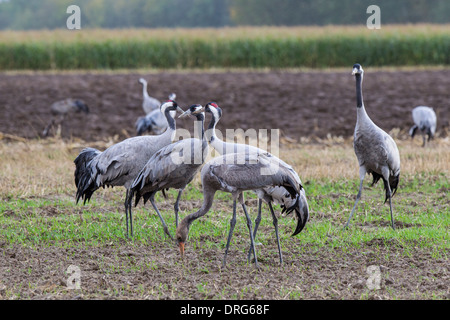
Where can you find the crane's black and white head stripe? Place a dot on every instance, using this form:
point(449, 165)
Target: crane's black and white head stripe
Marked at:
point(357, 69)
point(170, 105)
point(214, 109)
point(195, 109)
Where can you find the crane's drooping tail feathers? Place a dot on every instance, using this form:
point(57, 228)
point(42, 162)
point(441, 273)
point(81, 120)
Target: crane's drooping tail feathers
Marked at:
point(143, 124)
point(294, 190)
point(413, 130)
point(84, 183)
point(393, 183)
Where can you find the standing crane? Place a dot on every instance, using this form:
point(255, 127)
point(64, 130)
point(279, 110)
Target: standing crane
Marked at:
point(269, 194)
point(173, 166)
point(120, 164)
point(235, 173)
point(376, 151)
point(425, 120)
point(60, 109)
point(149, 103)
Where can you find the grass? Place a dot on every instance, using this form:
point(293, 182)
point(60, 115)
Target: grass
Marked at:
point(39, 208)
point(243, 47)
point(38, 212)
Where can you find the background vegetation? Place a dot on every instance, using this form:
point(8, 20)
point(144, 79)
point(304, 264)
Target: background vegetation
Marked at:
point(243, 47)
point(51, 14)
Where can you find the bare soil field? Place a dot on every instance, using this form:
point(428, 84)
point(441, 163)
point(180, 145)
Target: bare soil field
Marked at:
point(300, 104)
point(126, 271)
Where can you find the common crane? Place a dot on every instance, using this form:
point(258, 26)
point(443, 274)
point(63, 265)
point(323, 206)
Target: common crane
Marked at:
point(376, 151)
point(235, 173)
point(173, 166)
point(149, 103)
point(153, 122)
point(120, 164)
point(269, 194)
point(425, 120)
point(60, 109)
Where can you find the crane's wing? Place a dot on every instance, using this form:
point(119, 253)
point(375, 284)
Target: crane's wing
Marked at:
point(174, 164)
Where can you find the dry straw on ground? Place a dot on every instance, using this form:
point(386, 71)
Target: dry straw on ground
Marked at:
point(35, 168)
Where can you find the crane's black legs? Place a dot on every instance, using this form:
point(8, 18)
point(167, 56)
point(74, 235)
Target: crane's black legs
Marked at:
point(166, 230)
point(357, 200)
point(47, 128)
point(249, 225)
point(177, 207)
point(275, 224)
point(232, 224)
point(389, 195)
point(128, 198)
point(257, 222)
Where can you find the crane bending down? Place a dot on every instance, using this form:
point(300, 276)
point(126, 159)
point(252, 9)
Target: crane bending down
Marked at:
point(153, 122)
point(60, 109)
point(120, 164)
point(376, 151)
point(425, 120)
point(235, 173)
point(269, 194)
point(173, 166)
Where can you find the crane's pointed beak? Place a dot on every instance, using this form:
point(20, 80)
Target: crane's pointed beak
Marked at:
point(179, 109)
point(181, 246)
point(185, 114)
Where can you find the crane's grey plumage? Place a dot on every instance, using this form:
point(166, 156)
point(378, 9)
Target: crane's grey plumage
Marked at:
point(120, 164)
point(173, 166)
point(269, 194)
point(154, 122)
point(235, 173)
point(149, 103)
point(60, 109)
point(376, 151)
point(425, 120)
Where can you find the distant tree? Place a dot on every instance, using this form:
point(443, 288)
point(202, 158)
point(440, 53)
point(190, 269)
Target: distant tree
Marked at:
point(39, 14)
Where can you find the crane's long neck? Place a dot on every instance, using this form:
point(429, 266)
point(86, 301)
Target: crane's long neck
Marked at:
point(208, 199)
point(213, 140)
point(359, 96)
point(144, 90)
point(199, 130)
point(362, 117)
point(171, 123)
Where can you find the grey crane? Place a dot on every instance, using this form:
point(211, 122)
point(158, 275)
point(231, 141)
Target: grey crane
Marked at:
point(376, 151)
point(173, 166)
point(60, 109)
point(149, 103)
point(120, 164)
point(425, 120)
point(269, 194)
point(235, 173)
point(153, 122)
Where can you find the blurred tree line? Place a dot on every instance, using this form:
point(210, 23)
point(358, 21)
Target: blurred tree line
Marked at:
point(50, 14)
